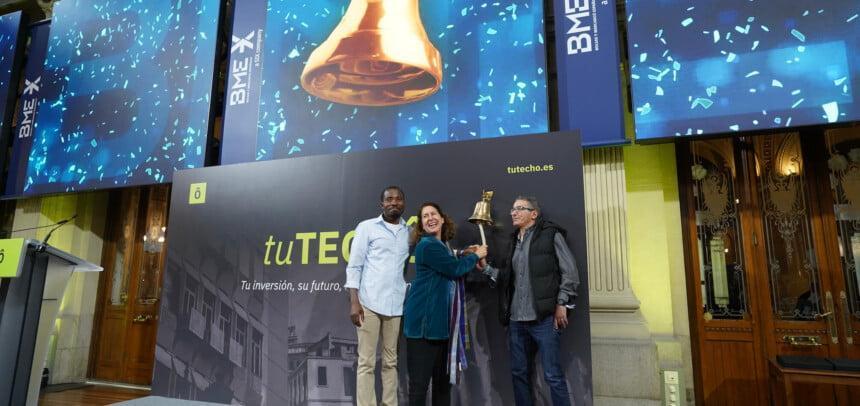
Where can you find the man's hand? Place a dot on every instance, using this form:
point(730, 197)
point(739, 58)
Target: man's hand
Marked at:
point(481, 264)
point(560, 320)
point(356, 313)
point(481, 252)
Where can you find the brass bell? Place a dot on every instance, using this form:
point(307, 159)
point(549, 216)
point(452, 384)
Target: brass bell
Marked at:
point(378, 55)
point(481, 215)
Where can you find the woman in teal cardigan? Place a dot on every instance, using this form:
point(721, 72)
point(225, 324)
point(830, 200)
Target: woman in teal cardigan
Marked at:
point(428, 304)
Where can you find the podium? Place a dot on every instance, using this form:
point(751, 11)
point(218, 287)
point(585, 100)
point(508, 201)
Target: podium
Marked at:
point(33, 278)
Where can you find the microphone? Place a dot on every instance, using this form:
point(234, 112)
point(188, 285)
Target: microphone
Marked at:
point(56, 226)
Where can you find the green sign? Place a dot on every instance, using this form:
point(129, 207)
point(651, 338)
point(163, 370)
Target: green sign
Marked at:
point(197, 193)
point(11, 251)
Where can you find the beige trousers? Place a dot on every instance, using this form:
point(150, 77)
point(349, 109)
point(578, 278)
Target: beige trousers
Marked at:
point(374, 327)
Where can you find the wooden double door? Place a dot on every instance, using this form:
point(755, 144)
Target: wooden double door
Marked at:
point(126, 319)
point(772, 252)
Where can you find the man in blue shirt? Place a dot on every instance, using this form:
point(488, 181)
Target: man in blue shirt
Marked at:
point(374, 280)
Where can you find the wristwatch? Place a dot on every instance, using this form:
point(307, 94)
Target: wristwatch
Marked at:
point(568, 306)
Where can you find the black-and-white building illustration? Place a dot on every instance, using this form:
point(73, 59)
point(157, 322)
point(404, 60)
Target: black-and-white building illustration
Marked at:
point(322, 372)
point(214, 341)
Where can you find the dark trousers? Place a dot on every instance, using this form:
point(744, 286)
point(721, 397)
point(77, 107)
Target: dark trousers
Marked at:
point(425, 361)
point(526, 337)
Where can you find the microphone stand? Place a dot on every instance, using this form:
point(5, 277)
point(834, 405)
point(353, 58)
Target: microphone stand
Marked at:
point(42, 247)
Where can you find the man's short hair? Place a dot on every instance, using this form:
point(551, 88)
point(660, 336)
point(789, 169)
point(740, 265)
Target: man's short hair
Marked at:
point(392, 187)
point(533, 202)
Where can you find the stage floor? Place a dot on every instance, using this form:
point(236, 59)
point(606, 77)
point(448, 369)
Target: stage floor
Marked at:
point(90, 395)
point(101, 395)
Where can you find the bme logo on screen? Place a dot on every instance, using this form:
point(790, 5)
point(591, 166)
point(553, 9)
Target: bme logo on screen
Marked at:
point(241, 69)
point(581, 36)
point(29, 107)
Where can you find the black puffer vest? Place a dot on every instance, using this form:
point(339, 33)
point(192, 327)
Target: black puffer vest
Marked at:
point(543, 270)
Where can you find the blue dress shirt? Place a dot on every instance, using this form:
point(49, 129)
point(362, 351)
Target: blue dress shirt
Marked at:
point(376, 262)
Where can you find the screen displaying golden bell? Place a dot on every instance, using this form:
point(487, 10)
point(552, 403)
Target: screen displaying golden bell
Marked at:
point(378, 55)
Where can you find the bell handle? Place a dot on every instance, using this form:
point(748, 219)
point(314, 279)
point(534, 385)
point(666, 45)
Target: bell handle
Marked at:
point(483, 237)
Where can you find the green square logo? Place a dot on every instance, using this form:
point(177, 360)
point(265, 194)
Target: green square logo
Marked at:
point(10, 257)
point(197, 193)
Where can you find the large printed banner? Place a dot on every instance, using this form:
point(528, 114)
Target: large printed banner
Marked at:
point(125, 94)
point(253, 308)
point(312, 77)
point(589, 72)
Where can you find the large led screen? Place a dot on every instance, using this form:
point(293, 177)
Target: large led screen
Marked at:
point(126, 94)
point(330, 76)
point(710, 67)
point(10, 26)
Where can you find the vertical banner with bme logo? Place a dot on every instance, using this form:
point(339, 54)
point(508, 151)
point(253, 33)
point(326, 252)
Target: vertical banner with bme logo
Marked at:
point(22, 139)
point(11, 47)
point(589, 81)
point(244, 78)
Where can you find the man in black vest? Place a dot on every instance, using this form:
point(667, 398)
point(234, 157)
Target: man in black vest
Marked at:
point(537, 287)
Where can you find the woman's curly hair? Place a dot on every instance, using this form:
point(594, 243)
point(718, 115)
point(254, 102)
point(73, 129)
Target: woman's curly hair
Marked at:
point(448, 226)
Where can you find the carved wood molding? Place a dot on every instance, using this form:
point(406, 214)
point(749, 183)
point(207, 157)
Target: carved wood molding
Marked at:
point(799, 331)
point(729, 329)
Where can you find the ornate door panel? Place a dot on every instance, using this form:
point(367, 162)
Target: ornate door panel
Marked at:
point(843, 170)
point(798, 304)
point(839, 162)
point(151, 250)
point(130, 287)
point(725, 335)
point(113, 305)
point(772, 234)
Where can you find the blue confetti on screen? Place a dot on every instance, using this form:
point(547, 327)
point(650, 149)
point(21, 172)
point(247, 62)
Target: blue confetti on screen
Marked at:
point(494, 81)
point(127, 93)
point(742, 65)
point(9, 25)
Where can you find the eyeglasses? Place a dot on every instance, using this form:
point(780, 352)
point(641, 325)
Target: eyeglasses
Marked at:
point(520, 208)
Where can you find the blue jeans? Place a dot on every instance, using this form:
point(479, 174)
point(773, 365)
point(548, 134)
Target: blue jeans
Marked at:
point(524, 338)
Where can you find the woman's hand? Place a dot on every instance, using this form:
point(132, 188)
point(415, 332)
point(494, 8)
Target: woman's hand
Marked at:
point(469, 250)
point(481, 252)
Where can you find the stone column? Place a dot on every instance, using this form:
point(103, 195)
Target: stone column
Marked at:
point(624, 355)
